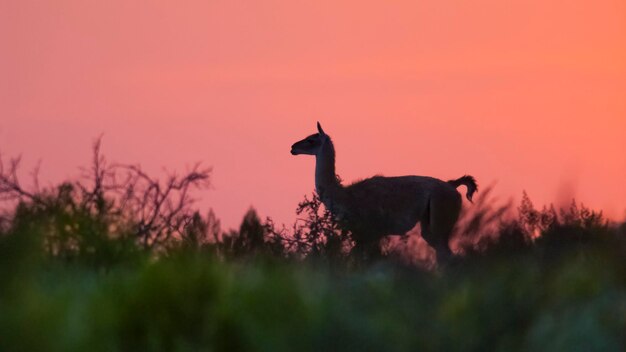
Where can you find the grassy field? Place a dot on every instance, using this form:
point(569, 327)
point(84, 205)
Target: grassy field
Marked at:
point(189, 300)
point(102, 266)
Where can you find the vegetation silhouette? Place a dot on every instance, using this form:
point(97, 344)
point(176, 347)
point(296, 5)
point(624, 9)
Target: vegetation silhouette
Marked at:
point(108, 206)
point(120, 260)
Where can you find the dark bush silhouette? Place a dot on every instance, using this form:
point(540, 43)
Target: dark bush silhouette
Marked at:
point(111, 208)
point(315, 233)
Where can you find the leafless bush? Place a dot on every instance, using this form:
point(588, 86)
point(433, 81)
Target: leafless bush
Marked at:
point(123, 195)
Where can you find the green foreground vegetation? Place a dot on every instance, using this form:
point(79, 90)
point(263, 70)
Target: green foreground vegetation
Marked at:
point(104, 266)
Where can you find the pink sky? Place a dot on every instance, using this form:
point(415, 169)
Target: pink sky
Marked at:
point(523, 93)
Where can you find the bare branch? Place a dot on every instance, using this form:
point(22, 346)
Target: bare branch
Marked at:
point(157, 210)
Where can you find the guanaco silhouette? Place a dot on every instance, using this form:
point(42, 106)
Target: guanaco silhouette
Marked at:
point(379, 206)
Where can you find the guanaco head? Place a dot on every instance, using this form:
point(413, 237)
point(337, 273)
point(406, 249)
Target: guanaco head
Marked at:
point(312, 144)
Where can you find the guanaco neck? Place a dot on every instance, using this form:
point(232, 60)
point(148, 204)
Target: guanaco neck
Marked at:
point(327, 185)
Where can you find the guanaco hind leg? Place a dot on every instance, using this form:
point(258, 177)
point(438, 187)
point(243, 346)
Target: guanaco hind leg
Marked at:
point(438, 223)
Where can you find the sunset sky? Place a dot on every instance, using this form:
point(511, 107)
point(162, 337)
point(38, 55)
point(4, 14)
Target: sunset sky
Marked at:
point(529, 95)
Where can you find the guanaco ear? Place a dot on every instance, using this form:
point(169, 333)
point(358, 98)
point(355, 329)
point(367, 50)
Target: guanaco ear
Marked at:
point(320, 130)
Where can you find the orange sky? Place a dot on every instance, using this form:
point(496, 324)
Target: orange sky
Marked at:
point(527, 94)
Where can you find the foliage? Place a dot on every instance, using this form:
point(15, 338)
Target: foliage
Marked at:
point(121, 261)
point(109, 204)
point(548, 231)
point(193, 301)
point(317, 234)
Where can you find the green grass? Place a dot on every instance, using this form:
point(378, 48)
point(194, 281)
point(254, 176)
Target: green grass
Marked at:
point(103, 266)
point(190, 301)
